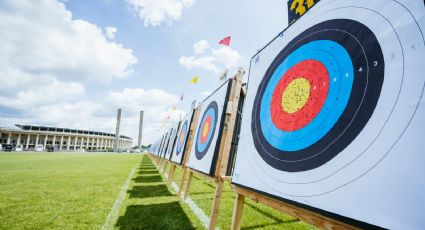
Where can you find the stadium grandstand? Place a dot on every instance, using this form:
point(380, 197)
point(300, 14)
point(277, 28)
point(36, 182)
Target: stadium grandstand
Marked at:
point(62, 139)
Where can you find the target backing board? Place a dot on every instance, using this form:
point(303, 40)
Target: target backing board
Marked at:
point(167, 144)
point(171, 141)
point(334, 117)
point(206, 140)
point(164, 145)
point(181, 139)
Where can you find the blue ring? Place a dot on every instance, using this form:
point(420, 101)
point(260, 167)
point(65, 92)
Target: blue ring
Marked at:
point(180, 147)
point(340, 68)
point(211, 112)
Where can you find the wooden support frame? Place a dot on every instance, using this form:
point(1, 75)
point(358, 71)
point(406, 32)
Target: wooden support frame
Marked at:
point(191, 137)
point(303, 214)
point(224, 150)
point(171, 172)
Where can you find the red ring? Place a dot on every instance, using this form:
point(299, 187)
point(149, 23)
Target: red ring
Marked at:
point(317, 75)
point(207, 121)
point(182, 136)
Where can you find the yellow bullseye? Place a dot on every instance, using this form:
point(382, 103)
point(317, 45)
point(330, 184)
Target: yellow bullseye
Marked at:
point(205, 129)
point(295, 95)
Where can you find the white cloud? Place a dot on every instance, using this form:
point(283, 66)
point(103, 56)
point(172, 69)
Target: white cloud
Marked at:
point(101, 115)
point(227, 56)
point(215, 61)
point(200, 47)
point(46, 58)
point(155, 12)
point(206, 63)
point(53, 92)
point(110, 32)
point(206, 93)
point(40, 37)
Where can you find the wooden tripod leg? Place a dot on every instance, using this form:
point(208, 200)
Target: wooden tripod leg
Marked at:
point(187, 190)
point(171, 173)
point(179, 193)
point(237, 211)
point(216, 205)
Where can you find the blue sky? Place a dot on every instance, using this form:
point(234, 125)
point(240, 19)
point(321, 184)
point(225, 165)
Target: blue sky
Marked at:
point(63, 68)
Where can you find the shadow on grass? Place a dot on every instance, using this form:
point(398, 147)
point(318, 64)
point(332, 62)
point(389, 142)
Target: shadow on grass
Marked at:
point(149, 191)
point(276, 220)
point(148, 179)
point(260, 226)
point(262, 212)
point(148, 171)
point(147, 167)
point(155, 216)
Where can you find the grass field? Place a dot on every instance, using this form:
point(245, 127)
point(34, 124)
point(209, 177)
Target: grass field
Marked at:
point(78, 191)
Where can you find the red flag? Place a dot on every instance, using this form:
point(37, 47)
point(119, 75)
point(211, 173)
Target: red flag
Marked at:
point(225, 41)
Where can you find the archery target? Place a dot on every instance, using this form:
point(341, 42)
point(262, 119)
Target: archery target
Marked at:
point(312, 92)
point(329, 102)
point(206, 128)
point(164, 144)
point(181, 139)
point(170, 143)
point(206, 139)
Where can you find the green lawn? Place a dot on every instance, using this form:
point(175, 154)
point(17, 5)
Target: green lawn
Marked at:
point(78, 190)
point(255, 215)
point(60, 190)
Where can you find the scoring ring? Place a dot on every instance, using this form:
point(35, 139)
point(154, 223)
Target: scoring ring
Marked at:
point(348, 106)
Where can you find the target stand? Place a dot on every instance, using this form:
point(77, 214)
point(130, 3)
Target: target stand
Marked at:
point(223, 154)
point(314, 218)
point(186, 149)
point(333, 118)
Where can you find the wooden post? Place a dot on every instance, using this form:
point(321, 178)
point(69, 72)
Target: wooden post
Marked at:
point(237, 211)
point(179, 193)
point(229, 125)
point(216, 205)
point(308, 216)
point(189, 181)
point(171, 173)
point(164, 166)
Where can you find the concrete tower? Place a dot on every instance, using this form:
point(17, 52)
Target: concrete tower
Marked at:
point(117, 131)
point(139, 141)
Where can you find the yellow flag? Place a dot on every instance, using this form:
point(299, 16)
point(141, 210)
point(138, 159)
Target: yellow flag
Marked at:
point(194, 80)
point(173, 108)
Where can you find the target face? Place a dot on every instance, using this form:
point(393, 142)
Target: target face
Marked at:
point(317, 95)
point(180, 145)
point(209, 127)
point(334, 115)
point(206, 129)
point(182, 138)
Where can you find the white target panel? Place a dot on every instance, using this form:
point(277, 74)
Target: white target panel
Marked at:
point(164, 144)
point(334, 116)
point(179, 149)
point(206, 140)
point(170, 144)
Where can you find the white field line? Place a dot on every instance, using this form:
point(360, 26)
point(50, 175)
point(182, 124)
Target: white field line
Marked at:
point(195, 209)
point(113, 214)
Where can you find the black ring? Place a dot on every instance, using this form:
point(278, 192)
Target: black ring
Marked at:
point(199, 155)
point(363, 48)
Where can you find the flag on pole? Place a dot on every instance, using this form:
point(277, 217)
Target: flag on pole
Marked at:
point(225, 41)
point(194, 80)
point(223, 75)
point(181, 97)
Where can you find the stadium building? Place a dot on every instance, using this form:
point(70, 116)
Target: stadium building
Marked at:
point(61, 138)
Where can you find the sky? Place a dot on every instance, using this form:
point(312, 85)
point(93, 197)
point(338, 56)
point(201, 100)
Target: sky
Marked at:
point(72, 63)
